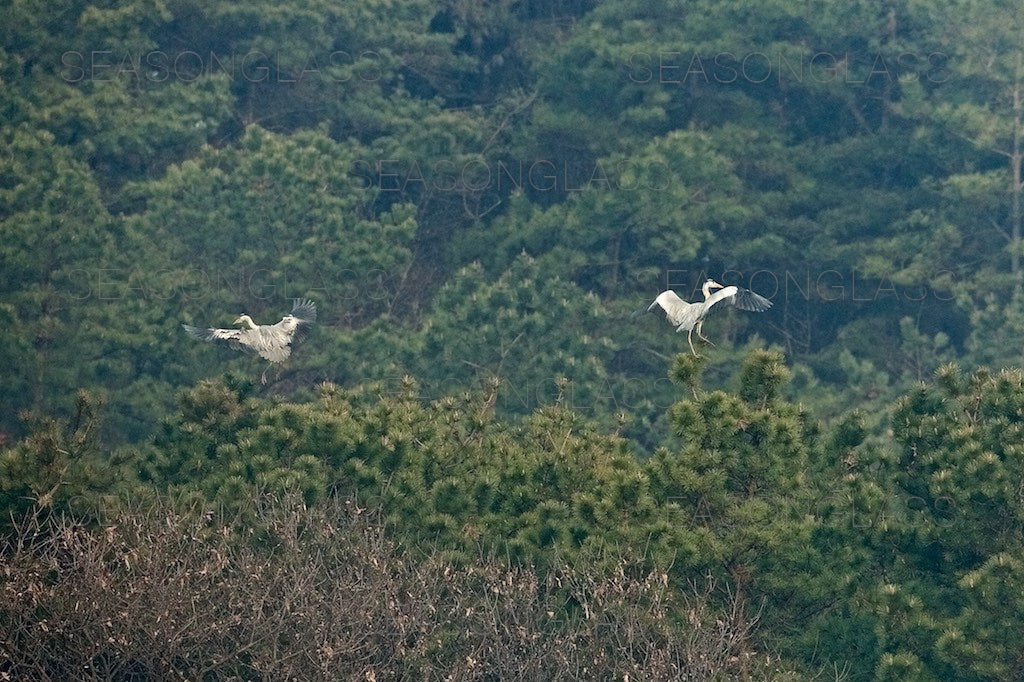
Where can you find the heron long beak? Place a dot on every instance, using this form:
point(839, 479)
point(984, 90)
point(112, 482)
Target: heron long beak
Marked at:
point(641, 311)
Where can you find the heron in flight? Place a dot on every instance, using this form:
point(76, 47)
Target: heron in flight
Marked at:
point(271, 341)
point(690, 316)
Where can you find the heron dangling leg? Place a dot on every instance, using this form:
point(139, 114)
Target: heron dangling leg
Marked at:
point(277, 376)
point(701, 335)
point(689, 337)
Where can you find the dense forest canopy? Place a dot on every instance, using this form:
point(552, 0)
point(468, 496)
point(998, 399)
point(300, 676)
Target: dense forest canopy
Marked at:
point(477, 196)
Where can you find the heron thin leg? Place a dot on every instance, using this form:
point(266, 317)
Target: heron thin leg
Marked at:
point(701, 335)
point(263, 379)
point(689, 337)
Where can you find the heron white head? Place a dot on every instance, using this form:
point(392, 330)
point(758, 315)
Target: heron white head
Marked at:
point(709, 285)
point(245, 319)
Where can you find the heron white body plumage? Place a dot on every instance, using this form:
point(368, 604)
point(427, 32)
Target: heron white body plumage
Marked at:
point(272, 342)
point(687, 317)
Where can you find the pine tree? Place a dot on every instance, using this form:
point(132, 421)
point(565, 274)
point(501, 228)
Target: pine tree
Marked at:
point(946, 540)
point(748, 483)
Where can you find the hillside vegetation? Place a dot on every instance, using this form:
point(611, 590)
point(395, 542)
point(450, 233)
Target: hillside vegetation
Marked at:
point(479, 466)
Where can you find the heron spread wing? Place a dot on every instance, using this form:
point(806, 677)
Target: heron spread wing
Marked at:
point(678, 311)
point(273, 341)
point(304, 310)
point(207, 334)
point(229, 337)
point(744, 299)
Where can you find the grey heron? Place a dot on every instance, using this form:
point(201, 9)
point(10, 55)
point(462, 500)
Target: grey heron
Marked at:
point(690, 316)
point(271, 341)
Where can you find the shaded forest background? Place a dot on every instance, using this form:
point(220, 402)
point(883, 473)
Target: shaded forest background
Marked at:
point(477, 195)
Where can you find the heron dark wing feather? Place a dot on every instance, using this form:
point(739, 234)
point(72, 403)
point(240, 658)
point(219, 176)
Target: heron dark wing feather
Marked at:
point(302, 330)
point(745, 299)
point(207, 334)
point(304, 309)
point(232, 338)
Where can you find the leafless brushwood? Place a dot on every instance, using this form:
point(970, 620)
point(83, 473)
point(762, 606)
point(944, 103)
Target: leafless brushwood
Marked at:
point(322, 594)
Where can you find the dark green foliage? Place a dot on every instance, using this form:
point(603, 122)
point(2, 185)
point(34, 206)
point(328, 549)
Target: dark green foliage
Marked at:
point(686, 370)
point(939, 519)
point(763, 377)
point(742, 481)
point(469, 479)
point(477, 196)
point(406, 146)
point(62, 466)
